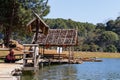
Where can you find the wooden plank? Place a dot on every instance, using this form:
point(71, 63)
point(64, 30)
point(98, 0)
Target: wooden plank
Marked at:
point(28, 58)
point(30, 44)
point(27, 51)
point(55, 56)
point(6, 69)
point(4, 49)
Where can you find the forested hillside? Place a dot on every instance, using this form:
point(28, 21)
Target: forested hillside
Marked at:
point(15, 14)
point(99, 37)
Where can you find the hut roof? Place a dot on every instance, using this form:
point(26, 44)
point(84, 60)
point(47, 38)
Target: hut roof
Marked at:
point(42, 25)
point(58, 37)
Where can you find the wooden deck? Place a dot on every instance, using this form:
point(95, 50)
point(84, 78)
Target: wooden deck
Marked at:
point(55, 56)
point(6, 71)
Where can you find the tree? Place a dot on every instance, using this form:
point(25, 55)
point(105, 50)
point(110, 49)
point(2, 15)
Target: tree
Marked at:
point(14, 14)
point(113, 25)
point(110, 48)
point(110, 25)
point(8, 17)
point(85, 47)
point(94, 47)
point(100, 26)
point(107, 38)
point(38, 6)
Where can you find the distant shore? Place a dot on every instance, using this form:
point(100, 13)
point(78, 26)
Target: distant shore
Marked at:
point(96, 54)
point(77, 54)
point(80, 54)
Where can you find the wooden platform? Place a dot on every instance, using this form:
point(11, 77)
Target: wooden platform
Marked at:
point(4, 49)
point(6, 69)
point(55, 56)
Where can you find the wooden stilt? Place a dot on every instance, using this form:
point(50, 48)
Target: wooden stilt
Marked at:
point(34, 64)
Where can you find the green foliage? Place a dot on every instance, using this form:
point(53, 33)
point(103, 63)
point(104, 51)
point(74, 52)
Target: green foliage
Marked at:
point(8, 12)
point(109, 36)
point(14, 15)
point(38, 6)
point(100, 26)
point(110, 48)
point(85, 47)
point(91, 37)
point(110, 25)
point(94, 47)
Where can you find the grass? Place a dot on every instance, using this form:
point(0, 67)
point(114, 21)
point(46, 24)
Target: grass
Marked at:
point(77, 54)
point(96, 54)
point(3, 53)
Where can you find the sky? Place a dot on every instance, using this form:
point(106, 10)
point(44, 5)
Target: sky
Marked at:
point(92, 11)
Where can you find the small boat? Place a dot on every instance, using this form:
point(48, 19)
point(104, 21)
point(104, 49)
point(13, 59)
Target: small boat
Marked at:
point(98, 60)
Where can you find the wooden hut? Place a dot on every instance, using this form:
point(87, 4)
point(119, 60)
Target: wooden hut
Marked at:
point(37, 25)
point(59, 38)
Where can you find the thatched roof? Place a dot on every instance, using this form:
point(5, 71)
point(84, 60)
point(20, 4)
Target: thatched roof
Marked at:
point(42, 25)
point(58, 37)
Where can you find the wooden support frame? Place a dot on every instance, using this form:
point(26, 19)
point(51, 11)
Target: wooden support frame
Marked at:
point(33, 58)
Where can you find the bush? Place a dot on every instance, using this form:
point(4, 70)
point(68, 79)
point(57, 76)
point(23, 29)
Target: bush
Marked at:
point(110, 48)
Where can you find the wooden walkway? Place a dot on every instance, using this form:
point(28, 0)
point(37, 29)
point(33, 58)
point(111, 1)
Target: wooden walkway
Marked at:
point(7, 69)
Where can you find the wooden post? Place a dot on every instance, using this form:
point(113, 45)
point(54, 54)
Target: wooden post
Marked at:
point(72, 53)
point(43, 51)
point(37, 29)
point(34, 56)
point(69, 54)
point(59, 54)
point(24, 56)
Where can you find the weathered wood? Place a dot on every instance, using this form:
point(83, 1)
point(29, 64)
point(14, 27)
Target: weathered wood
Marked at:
point(27, 51)
point(27, 45)
point(37, 61)
point(58, 37)
point(6, 71)
point(42, 25)
point(55, 56)
point(26, 64)
point(28, 58)
point(4, 49)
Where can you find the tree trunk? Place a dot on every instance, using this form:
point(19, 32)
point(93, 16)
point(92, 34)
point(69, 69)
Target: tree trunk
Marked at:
point(8, 29)
point(7, 34)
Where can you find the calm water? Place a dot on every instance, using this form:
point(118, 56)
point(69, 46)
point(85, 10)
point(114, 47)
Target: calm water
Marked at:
point(109, 69)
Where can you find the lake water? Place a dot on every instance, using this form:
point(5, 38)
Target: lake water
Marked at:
point(109, 69)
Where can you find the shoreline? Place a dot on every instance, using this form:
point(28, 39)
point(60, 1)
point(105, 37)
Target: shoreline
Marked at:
point(96, 54)
point(75, 53)
point(7, 68)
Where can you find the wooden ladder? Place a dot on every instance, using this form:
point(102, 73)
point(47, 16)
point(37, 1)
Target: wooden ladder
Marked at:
point(34, 60)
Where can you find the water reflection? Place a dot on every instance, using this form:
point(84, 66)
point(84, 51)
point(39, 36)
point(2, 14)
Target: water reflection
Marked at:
point(106, 70)
point(62, 72)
